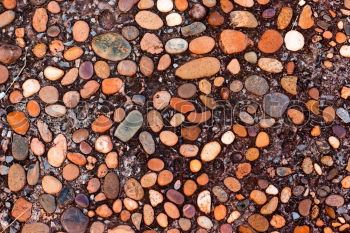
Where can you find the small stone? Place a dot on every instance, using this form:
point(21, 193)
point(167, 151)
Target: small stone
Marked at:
point(270, 41)
point(294, 40)
point(86, 70)
point(149, 20)
point(335, 200)
point(56, 110)
point(111, 86)
point(215, 19)
point(18, 122)
point(220, 194)
point(289, 84)
point(305, 19)
point(205, 222)
point(40, 20)
point(232, 41)
point(73, 220)
point(193, 29)
point(234, 66)
point(328, 114)
point(9, 4)
point(197, 12)
point(130, 32)
point(296, 116)
point(256, 85)
point(9, 53)
point(146, 66)
point(6, 18)
point(243, 19)
point(275, 104)
point(127, 68)
point(345, 51)
point(258, 222)
point(133, 189)
point(165, 5)
point(22, 210)
point(81, 31)
point(176, 46)
point(210, 151)
point(258, 197)
point(147, 142)
point(181, 5)
point(51, 185)
point(30, 87)
point(35, 227)
point(145, 4)
point(125, 5)
point(4, 75)
point(232, 184)
point(53, 73)
point(111, 46)
point(19, 147)
point(202, 45)
point(262, 140)
point(65, 197)
point(49, 94)
point(270, 65)
point(97, 227)
point(111, 186)
point(284, 18)
point(270, 207)
point(151, 44)
point(198, 68)
point(228, 137)
point(343, 115)
point(204, 201)
point(107, 19)
point(175, 196)
point(16, 178)
point(128, 128)
point(119, 115)
point(89, 88)
point(103, 144)
point(33, 174)
point(173, 19)
point(245, 3)
point(165, 177)
point(304, 207)
point(187, 90)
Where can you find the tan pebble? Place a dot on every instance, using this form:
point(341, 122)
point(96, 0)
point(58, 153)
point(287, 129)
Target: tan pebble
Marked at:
point(262, 140)
point(102, 69)
point(155, 198)
point(104, 211)
point(53, 7)
point(9, 4)
point(81, 31)
point(164, 62)
point(258, 197)
point(286, 194)
point(148, 20)
point(232, 41)
point(162, 220)
point(284, 18)
point(148, 180)
point(188, 150)
point(220, 212)
point(130, 204)
point(117, 206)
point(234, 66)
point(155, 164)
point(51, 185)
point(111, 160)
point(195, 165)
point(70, 172)
point(203, 179)
point(103, 144)
point(270, 207)
point(22, 210)
point(73, 53)
point(168, 138)
point(171, 210)
point(40, 20)
point(165, 177)
point(148, 214)
point(70, 77)
point(334, 142)
point(296, 116)
point(243, 169)
point(53, 73)
point(204, 201)
point(305, 19)
point(202, 45)
point(328, 114)
point(210, 151)
point(252, 154)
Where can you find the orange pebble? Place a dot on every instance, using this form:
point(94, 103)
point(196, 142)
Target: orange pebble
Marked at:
point(240, 130)
point(181, 5)
point(190, 187)
point(53, 7)
point(18, 122)
point(220, 212)
point(15, 97)
point(340, 37)
point(327, 34)
point(263, 2)
point(19, 32)
point(33, 108)
point(56, 46)
point(165, 177)
point(9, 4)
point(203, 179)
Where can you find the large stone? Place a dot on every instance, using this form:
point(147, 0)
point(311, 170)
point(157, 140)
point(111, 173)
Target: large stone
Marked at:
point(111, 46)
point(133, 189)
point(232, 41)
point(275, 104)
point(6, 18)
point(19, 147)
point(37, 227)
point(9, 53)
point(128, 128)
point(22, 210)
point(74, 221)
point(16, 178)
point(199, 68)
point(111, 186)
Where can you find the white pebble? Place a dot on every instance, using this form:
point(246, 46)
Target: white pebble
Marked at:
point(272, 190)
point(294, 40)
point(165, 5)
point(173, 19)
point(335, 143)
point(228, 137)
point(345, 51)
point(30, 87)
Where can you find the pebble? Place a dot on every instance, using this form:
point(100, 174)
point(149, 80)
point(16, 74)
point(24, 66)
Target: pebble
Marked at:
point(245, 3)
point(51, 185)
point(22, 210)
point(9, 4)
point(335, 200)
point(345, 51)
point(204, 201)
point(343, 115)
point(284, 18)
point(304, 207)
point(111, 46)
point(198, 68)
point(149, 20)
point(171, 210)
point(57, 153)
point(258, 222)
point(97, 227)
point(220, 194)
point(270, 41)
point(70, 77)
point(73, 220)
point(151, 44)
point(9, 53)
point(296, 116)
point(243, 19)
point(328, 114)
point(155, 121)
point(35, 227)
point(173, 19)
point(53, 73)
point(215, 19)
point(232, 41)
point(103, 144)
point(305, 19)
point(197, 12)
point(19, 147)
point(40, 20)
point(33, 174)
point(49, 94)
point(81, 31)
point(56, 110)
point(65, 197)
point(258, 197)
point(125, 5)
point(86, 70)
point(193, 29)
point(16, 178)
point(176, 46)
point(228, 137)
point(145, 4)
point(202, 45)
point(275, 104)
point(187, 90)
point(130, 32)
point(4, 75)
point(270, 65)
point(133, 189)
point(147, 142)
point(111, 186)
point(47, 201)
point(289, 84)
point(6, 18)
point(146, 66)
point(294, 40)
point(205, 222)
point(210, 151)
point(18, 122)
point(256, 85)
point(234, 66)
point(165, 5)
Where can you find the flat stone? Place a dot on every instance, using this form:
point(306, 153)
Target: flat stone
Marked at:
point(47, 201)
point(220, 193)
point(130, 32)
point(49, 94)
point(343, 115)
point(258, 222)
point(81, 31)
point(256, 85)
point(65, 197)
point(176, 46)
point(53, 73)
point(16, 178)
point(146, 66)
point(128, 128)
point(107, 19)
point(74, 221)
point(270, 41)
point(40, 19)
point(335, 200)
point(193, 29)
point(30, 87)
point(37, 227)
point(275, 104)
point(305, 19)
point(199, 68)
point(243, 19)
point(148, 20)
point(126, 5)
point(205, 222)
point(19, 147)
point(111, 46)
point(270, 65)
point(22, 210)
point(147, 142)
point(33, 173)
point(304, 207)
point(173, 19)
point(289, 84)
point(86, 70)
point(187, 90)
point(111, 186)
point(151, 43)
point(165, 5)
point(175, 196)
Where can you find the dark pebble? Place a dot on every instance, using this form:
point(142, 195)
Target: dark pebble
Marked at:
point(47, 201)
point(37, 2)
point(198, 11)
point(269, 13)
point(347, 29)
point(130, 32)
point(74, 221)
point(65, 197)
point(188, 211)
point(19, 147)
point(338, 130)
point(86, 70)
point(332, 173)
point(111, 186)
point(53, 31)
point(82, 200)
point(175, 196)
point(242, 205)
point(187, 90)
point(106, 19)
point(298, 190)
point(85, 148)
